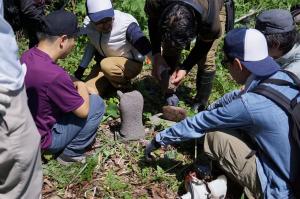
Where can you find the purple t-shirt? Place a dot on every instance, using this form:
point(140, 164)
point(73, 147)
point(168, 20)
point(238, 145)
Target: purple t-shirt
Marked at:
point(50, 91)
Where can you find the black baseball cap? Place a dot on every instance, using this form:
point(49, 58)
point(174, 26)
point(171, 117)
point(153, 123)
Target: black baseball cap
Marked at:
point(275, 21)
point(60, 22)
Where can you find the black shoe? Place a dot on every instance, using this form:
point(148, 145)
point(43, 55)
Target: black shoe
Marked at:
point(79, 72)
point(198, 107)
point(67, 160)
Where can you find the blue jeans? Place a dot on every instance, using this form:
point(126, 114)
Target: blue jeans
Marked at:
point(71, 134)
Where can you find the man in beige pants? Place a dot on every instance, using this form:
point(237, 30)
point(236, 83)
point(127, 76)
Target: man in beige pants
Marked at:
point(119, 44)
point(20, 161)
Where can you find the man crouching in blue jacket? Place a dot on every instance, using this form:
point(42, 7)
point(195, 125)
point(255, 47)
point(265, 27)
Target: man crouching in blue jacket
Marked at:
point(264, 175)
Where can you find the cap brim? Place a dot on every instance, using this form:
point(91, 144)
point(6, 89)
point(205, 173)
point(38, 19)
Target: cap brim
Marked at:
point(76, 33)
point(263, 67)
point(98, 16)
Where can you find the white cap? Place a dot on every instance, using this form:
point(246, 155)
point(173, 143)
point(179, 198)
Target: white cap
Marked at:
point(250, 47)
point(99, 9)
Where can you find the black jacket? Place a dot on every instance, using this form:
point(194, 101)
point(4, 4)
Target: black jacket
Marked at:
point(207, 13)
point(24, 13)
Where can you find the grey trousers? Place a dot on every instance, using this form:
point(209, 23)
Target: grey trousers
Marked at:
point(20, 159)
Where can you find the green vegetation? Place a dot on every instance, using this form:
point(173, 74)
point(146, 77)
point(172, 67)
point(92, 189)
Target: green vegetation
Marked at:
point(118, 170)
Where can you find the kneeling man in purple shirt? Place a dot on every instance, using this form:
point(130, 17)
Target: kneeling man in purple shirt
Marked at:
point(66, 112)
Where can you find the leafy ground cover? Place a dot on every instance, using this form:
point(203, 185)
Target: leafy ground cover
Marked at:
point(118, 170)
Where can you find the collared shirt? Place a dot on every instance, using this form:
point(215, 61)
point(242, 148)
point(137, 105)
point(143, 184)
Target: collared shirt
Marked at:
point(50, 90)
point(262, 120)
point(291, 60)
point(12, 73)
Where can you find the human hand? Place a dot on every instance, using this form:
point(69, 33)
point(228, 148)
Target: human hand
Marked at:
point(4, 103)
point(159, 65)
point(178, 76)
point(152, 146)
point(77, 83)
point(92, 90)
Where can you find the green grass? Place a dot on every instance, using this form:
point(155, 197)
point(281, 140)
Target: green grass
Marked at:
point(118, 170)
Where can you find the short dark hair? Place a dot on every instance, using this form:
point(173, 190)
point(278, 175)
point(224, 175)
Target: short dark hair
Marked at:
point(178, 25)
point(286, 40)
point(295, 10)
point(43, 36)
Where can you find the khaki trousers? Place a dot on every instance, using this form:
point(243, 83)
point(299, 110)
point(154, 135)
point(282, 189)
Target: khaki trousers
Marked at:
point(232, 155)
point(117, 71)
point(20, 158)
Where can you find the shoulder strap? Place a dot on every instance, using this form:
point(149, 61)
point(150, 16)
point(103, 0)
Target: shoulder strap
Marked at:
point(293, 77)
point(230, 15)
point(294, 115)
point(295, 84)
point(196, 5)
point(274, 96)
point(281, 82)
point(211, 14)
point(287, 105)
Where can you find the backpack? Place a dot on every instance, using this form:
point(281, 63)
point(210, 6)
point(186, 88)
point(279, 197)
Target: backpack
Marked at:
point(12, 13)
point(291, 108)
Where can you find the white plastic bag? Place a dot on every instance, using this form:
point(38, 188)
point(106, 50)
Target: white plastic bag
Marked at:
point(199, 189)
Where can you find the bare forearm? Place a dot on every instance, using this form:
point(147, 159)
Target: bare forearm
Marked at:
point(83, 91)
point(83, 110)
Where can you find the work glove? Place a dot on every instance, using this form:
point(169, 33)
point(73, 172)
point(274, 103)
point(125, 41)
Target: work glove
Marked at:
point(173, 113)
point(172, 100)
point(152, 146)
